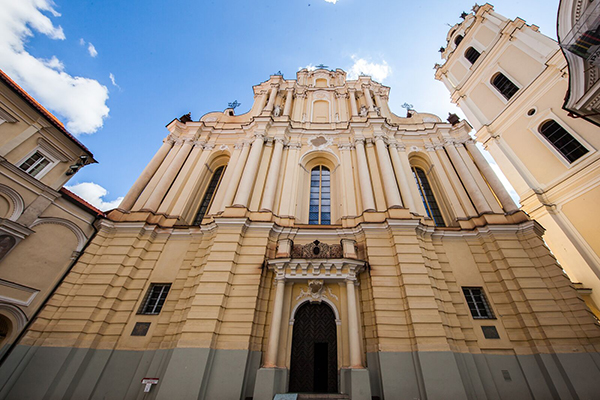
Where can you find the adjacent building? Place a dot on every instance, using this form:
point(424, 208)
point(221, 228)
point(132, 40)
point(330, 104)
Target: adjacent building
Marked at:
point(510, 80)
point(317, 243)
point(43, 227)
point(579, 37)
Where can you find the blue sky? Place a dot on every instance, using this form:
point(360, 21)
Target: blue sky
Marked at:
point(116, 72)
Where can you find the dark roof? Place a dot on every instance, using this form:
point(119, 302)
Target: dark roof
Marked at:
point(59, 125)
point(73, 198)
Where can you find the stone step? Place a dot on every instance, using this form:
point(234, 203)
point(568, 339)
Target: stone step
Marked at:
point(323, 396)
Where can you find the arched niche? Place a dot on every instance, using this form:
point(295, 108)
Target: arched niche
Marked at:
point(11, 203)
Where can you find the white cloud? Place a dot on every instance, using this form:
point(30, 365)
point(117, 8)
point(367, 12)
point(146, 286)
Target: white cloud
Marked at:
point(82, 42)
point(309, 67)
point(113, 81)
point(93, 194)
point(81, 101)
point(331, 1)
point(362, 67)
point(92, 50)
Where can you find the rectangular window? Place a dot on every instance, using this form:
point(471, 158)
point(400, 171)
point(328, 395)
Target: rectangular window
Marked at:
point(155, 298)
point(34, 164)
point(478, 304)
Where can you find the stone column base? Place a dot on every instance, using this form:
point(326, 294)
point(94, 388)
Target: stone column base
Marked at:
point(269, 382)
point(356, 383)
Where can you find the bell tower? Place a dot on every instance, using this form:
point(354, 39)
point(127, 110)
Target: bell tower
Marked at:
point(510, 80)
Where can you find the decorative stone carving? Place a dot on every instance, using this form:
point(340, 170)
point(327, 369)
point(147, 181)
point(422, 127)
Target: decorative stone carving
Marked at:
point(320, 142)
point(317, 249)
point(345, 146)
point(276, 111)
point(316, 291)
point(363, 111)
point(377, 110)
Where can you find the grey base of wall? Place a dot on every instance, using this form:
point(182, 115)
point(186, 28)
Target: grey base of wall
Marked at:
point(208, 374)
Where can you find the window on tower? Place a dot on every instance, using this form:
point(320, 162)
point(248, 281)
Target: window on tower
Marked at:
point(504, 85)
point(458, 39)
point(562, 140)
point(209, 195)
point(472, 55)
point(319, 211)
point(433, 211)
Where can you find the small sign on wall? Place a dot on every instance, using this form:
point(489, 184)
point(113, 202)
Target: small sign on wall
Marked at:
point(149, 382)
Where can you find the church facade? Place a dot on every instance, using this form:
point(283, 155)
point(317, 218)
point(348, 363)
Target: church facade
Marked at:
point(317, 243)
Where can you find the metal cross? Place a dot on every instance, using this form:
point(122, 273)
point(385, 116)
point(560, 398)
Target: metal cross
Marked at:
point(234, 105)
point(321, 66)
point(407, 106)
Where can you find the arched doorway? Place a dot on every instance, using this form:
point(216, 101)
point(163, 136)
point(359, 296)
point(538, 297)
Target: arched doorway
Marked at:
point(314, 350)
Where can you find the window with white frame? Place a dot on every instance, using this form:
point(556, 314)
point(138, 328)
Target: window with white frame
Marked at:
point(319, 212)
point(504, 85)
point(35, 163)
point(472, 55)
point(562, 140)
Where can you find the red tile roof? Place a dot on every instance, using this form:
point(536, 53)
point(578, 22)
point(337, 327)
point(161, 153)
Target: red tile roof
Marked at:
point(81, 202)
point(42, 110)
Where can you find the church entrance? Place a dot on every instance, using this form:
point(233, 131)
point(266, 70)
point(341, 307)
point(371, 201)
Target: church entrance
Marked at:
point(314, 350)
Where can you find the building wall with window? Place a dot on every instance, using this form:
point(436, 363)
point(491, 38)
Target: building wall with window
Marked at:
point(317, 243)
point(43, 227)
point(578, 28)
point(513, 95)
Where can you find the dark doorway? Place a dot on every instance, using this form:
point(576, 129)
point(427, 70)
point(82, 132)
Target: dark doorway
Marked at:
point(313, 366)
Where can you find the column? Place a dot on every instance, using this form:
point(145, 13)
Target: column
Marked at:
point(289, 98)
point(368, 98)
point(262, 99)
point(249, 175)
point(447, 176)
point(182, 183)
point(392, 195)
point(466, 177)
point(366, 189)
point(272, 97)
point(353, 107)
point(146, 175)
point(402, 178)
point(237, 174)
point(414, 189)
point(288, 192)
point(349, 200)
point(353, 337)
point(272, 175)
point(271, 354)
point(507, 202)
point(167, 179)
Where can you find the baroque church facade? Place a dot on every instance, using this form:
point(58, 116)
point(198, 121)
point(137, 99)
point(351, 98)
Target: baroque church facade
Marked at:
point(318, 243)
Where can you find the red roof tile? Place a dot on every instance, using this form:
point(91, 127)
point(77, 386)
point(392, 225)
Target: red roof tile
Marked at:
point(82, 202)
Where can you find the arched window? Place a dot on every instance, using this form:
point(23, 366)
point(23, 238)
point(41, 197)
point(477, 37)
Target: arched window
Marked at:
point(458, 39)
point(562, 140)
point(472, 55)
point(209, 195)
point(319, 212)
point(433, 211)
point(504, 85)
